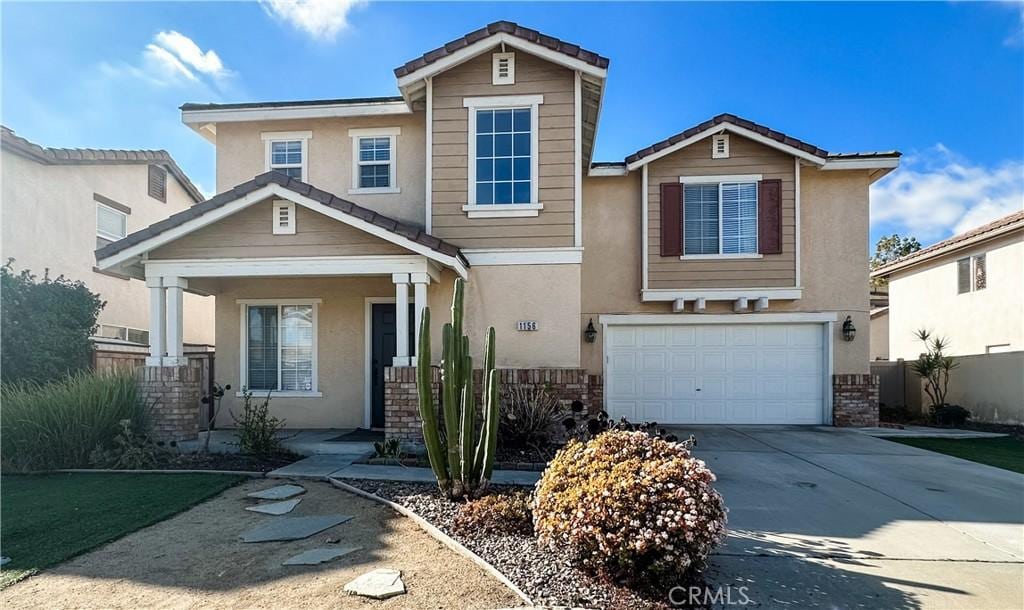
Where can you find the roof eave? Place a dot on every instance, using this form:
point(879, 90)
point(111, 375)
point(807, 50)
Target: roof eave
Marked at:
point(952, 248)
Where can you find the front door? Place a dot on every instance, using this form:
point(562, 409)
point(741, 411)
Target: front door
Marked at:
point(382, 351)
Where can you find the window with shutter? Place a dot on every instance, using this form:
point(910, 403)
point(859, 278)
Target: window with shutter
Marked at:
point(158, 183)
point(980, 280)
point(963, 275)
point(720, 218)
point(971, 274)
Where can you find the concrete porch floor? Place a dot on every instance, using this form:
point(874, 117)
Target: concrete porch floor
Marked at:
point(303, 442)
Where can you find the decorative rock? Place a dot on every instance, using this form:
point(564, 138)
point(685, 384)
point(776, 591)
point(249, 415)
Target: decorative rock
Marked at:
point(281, 492)
point(378, 584)
point(293, 528)
point(316, 556)
point(275, 508)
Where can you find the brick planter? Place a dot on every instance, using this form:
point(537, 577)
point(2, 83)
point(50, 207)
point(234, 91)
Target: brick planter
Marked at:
point(174, 393)
point(855, 400)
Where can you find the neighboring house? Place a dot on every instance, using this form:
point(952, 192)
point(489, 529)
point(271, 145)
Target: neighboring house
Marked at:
point(968, 289)
point(705, 279)
point(60, 204)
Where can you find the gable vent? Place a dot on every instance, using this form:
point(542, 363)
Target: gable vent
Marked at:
point(504, 66)
point(284, 218)
point(720, 146)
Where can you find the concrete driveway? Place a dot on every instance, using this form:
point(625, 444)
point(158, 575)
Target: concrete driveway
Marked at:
point(832, 518)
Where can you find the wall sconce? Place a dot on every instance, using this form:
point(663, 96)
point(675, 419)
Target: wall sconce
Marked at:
point(849, 330)
point(590, 334)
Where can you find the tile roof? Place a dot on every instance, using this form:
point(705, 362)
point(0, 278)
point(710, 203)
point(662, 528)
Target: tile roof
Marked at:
point(96, 156)
point(507, 27)
point(1006, 223)
point(760, 129)
point(407, 231)
point(353, 101)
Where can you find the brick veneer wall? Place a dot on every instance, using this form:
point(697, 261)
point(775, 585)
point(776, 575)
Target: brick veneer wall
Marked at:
point(855, 400)
point(401, 402)
point(174, 393)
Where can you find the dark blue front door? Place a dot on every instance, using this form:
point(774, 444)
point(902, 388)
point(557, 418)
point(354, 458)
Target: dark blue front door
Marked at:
point(382, 351)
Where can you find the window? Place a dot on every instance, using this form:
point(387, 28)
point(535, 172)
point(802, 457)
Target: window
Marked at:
point(111, 224)
point(970, 274)
point(373, 160)
point(158, 183)
point(279, 347)
point(124, 333)
point(997, 349)
point(720, 218)
point(286, 152)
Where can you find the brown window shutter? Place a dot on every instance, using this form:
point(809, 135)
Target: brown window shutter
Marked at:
point(671, 219)
point(158, 183)
point(769, 216)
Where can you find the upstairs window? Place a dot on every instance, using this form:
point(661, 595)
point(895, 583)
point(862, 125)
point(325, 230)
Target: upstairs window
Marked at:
point(111, 224)
point(720, 218)
point(971, 274)
point(287, 152)
point(374, 160)
point(504, 156)
point(158, 183)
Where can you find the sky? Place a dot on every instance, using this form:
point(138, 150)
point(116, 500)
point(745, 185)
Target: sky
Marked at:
point(941, 82)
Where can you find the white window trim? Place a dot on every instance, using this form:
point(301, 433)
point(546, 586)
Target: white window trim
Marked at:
point(243, 352)
point(110, 236)
point(269, 137)
point(720, 180)
point(705, 257)
point(392, 134)
point(504, 102)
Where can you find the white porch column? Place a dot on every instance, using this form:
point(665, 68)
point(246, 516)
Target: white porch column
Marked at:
point(420, 281)
point(175, 304)
point(157, 321)
point(401, 281)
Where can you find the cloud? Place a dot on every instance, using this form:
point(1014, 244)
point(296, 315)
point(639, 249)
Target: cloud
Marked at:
point(189, 52)
point(938, 193)
point(321, 19)
point(173, 60)
point(1016, 39)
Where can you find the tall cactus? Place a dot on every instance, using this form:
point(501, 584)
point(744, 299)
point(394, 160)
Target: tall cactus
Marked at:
point(460, 470)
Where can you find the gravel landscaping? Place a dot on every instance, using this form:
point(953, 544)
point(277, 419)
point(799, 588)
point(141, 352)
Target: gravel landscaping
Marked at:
point(542, 574)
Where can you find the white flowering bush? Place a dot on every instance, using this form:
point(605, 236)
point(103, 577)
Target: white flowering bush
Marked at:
point(630, 507)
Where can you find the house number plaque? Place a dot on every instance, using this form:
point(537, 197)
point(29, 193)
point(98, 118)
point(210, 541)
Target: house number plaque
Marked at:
point(526, 325)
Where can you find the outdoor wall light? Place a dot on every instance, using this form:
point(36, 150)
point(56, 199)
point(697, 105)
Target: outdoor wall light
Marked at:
point(590, 335)
point(849, 330)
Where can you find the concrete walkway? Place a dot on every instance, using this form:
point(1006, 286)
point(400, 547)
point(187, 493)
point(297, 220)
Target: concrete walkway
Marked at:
point(303, 442)
point(927, 432)
point(425, 475)
point(827, 517)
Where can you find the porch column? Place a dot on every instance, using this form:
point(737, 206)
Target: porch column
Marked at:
point(175, 287)
point(420, 281)
point(401, 281)
point(157, 321)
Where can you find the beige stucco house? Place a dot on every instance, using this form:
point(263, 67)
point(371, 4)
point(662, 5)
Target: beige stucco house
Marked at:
point(60, 204)
point(704, 279)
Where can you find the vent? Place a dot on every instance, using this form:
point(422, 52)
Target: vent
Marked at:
point(720, 146)
point(284, 218)
point(158, 183)
point(504, 65)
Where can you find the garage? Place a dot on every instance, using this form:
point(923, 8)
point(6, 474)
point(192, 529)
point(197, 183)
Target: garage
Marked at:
point(727, 373)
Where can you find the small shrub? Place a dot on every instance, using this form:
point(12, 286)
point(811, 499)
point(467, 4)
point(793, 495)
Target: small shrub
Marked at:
point(389, 448)
point(59, 424)
point(600, 424)
point(497, 513)
point(528, 417)
point(934, 367)
point(257, 428)
point(630, 507)
point(131, 451)
point(949, 415)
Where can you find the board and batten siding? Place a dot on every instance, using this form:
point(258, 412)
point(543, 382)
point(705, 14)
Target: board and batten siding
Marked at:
point(248, 234)
point(553, 227)
point(745, 157)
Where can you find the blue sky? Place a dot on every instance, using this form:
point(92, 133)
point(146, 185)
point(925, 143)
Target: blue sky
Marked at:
point(942, 82)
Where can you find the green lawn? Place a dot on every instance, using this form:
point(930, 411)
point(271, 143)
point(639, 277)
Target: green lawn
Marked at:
point(46, 519)
point(1004, 452)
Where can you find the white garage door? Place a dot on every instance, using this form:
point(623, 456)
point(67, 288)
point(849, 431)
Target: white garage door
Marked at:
point(716, 374)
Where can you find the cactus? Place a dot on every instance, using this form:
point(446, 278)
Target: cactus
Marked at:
point(461, 470)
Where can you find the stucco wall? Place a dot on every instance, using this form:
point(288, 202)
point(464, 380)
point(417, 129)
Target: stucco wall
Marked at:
point(49, 222)
point(926, 297)
point(880, 336)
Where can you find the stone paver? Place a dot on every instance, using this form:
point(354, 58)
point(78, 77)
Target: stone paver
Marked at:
point(275, 508)
point(281, 492)
point(292, 528)
point(313, 557)
point(378, 584)
point(314, 467)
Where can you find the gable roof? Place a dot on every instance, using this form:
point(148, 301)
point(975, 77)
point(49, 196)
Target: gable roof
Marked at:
point(1000, 226)
point(399, 232)
point(498, 27)
point(96, 156)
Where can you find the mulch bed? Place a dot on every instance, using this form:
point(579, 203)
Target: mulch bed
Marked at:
point(543, 574)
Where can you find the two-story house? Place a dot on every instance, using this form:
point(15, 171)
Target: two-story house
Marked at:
point(60, 204)
point(706, 278)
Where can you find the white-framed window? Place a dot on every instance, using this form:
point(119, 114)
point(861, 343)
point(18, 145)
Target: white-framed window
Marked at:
point(503, 156)
point(374, 160)
point(279, 346)
point(720, 216)
point(123, 333)
point(111, 224)
point(971, 275)
point(287, 152)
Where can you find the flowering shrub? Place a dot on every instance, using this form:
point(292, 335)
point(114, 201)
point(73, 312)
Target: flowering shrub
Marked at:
point(498, 513)
point(630, 506)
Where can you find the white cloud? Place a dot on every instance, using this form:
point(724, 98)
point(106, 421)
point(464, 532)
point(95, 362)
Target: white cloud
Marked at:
point(321, 19)
point(164, 66)
point(937, 193)
point(173, 60)
point(189, 52)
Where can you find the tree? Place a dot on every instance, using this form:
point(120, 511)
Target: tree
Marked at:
point(891, 248)
point(934, 366)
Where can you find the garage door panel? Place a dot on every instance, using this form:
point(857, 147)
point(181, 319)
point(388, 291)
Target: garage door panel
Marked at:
point(622, 385)
point(712, 387)
point(621, 337)
point(654, 386)
point(711, 336)
point(653, 336)
point(653, 410)
point(684, 362)
point(804, 336)
point(773, 336)
point(682, 336)
point(742, 411)
point(622, 408)
point(742, 336)
point(710, 412)
point(683, 386)
point(773, 361)
point(713, 362)
point(654, 361)
point(744, 361)
point(743, 387)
